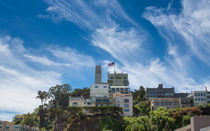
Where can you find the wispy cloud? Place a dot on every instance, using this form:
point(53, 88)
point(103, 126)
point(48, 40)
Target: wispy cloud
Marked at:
point(89, 14)
point(129, 45)
point(122, 44)
point(21, 79)
point(191, 27)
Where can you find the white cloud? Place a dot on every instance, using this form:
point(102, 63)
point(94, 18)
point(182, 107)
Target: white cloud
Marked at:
point(130, 46)
point(20, 79)
point(90, 14)
point(122, 44)
point(192, 25)
point(72, 57)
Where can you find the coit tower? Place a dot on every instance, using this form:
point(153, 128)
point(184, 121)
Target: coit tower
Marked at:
point(98, 74)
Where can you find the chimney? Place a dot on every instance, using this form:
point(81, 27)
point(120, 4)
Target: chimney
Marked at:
point(160, 86)
point(98, 74)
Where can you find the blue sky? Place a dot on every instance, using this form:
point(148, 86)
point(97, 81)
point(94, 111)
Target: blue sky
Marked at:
point(49, 42)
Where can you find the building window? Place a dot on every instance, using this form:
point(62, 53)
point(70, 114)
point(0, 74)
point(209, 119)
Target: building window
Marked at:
point(7, 127)
point(126, 105)
point(118, 99)
point(74, 103)
point(126, 100)
point(118, 105)
point(105, 86)
point(96, 86)
point(126, 110)
point(96, 104)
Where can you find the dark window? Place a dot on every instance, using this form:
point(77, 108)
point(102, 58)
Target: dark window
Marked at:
point(126, 100)
point(96, 86)
point(126, 105)
point(126, 110)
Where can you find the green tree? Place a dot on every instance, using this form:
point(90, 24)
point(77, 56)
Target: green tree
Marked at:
point(137, 124)
point(205, 109)
point(110, 123)
point(139, 95)
point(60, 94)
point(85, 93)
point(162, 120)
point(30, 120)
point(43, 96)
point(142, 108)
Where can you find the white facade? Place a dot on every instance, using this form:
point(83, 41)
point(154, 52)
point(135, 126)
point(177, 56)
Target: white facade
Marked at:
point(200, 97)
point(99, 90)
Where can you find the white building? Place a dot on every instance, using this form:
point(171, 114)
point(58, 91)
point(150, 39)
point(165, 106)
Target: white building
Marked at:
point(99, 90)
point(200, 97)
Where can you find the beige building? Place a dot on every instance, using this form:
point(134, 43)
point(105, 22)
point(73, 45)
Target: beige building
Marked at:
point(197, 123)
point(80, 102)
point(171, 102)
point(165, 102)
point(125, 101)
point(6, 126)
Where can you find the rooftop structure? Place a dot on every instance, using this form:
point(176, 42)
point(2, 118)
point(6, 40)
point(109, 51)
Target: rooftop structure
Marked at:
point(160, 92)
point(118, 79)
point(197, 123)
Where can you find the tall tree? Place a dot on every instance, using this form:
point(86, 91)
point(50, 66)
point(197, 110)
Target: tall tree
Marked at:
point(139, 95)
point(59, 94)
point(43, 96)
point(85, 93)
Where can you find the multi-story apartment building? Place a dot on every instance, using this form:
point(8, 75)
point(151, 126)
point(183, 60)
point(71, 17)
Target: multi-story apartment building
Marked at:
point(171, 102)
point(125, 101)
point(121, 89)
point(99, 90)
point(118, 79)
point(160, 92)
point(186, 102)
point(165, 102)
point(199, 97)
